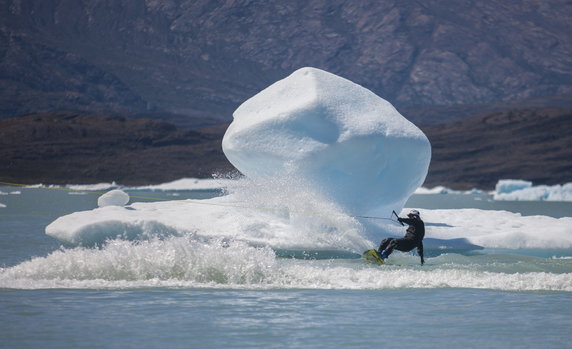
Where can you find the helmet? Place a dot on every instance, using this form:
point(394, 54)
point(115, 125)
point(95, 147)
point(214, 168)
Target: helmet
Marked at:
point(414, 213)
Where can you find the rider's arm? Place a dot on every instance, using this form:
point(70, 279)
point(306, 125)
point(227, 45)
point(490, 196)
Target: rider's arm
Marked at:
point(406, 220)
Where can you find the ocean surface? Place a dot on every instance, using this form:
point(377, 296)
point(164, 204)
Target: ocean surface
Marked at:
point(179, 292)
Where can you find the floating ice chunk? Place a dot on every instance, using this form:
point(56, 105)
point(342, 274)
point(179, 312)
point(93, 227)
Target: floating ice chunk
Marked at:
point(95, 187)
point(435, 190)
point(2, 205)
point(115, 197)
point(499, 229)
point(17, 192)
point(188, 184)
point(444, 190)
point(219, 217)
point(538, 193)
point(505, 186)
point(333, 136)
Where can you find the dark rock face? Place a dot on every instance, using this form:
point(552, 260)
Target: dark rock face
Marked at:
point(203, 58)
point(70, 148)
point(531, 144)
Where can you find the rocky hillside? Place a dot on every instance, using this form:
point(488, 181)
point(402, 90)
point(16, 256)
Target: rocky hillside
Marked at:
point(532, 144)
point(203, 58)
point(70, 148)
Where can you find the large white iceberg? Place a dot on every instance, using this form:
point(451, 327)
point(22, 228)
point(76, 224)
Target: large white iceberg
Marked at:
point(332, 136)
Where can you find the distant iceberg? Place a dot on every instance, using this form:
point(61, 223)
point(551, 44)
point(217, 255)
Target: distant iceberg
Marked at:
point(187, 184)
point(92, 187)
point(507, 186)
point(444, 190)
point(519, 190)
point(435, 190)
point(183, 184)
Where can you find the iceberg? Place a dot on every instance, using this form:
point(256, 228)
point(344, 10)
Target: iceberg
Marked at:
point(189, 184)
point(444, 190)
point(332, 136)
point(316, 150)
point(500, 229)
point(116, 197)
point(506, 186)
point(519, 190)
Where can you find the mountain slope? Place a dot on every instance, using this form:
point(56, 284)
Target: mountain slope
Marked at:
point(203, 58)
point(532, 144)
point(70, 148)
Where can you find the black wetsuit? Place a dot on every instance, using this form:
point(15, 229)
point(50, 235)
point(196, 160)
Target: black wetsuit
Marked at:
point(413, 238)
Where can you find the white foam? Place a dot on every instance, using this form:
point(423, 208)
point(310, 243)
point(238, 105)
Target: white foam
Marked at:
point(196, 263)
point(2, 205)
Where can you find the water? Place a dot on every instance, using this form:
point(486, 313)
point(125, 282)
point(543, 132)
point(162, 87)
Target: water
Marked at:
point(188, 318)
point(182, 292)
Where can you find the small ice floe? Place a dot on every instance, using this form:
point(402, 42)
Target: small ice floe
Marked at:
point(116, 197)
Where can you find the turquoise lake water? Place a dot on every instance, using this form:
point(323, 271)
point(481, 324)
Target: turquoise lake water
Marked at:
point(159, 294)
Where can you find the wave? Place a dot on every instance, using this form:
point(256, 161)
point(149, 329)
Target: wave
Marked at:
point(219, 263)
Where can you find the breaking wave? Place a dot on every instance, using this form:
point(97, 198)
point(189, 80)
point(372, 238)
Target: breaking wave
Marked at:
point(193, 263)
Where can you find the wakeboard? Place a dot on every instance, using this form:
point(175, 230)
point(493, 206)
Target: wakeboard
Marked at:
point(372, 257)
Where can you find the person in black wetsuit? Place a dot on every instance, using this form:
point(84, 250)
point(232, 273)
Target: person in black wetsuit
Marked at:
point(413, 237)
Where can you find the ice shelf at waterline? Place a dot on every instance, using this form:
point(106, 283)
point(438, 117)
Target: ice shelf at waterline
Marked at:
point(223, 218)
point(333, 137)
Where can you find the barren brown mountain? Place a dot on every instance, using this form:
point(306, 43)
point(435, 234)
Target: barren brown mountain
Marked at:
point(204, 58)
point(532, 144)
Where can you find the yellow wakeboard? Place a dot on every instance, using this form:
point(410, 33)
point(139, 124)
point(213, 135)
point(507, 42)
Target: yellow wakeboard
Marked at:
point(372, 257)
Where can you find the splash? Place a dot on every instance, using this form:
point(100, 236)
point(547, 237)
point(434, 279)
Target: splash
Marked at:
point(275, 213)
point(189, 262)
